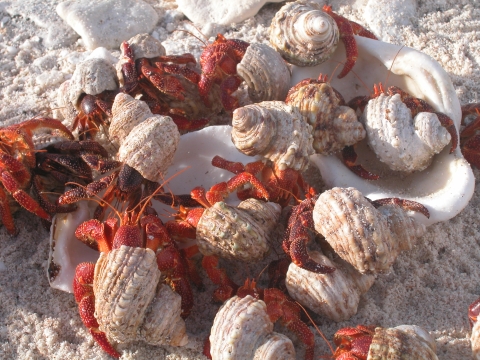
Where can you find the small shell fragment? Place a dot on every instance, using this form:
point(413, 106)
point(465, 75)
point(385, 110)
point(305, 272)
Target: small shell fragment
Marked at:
point(242, 330)
point(274, 130)
point(335, 295)
point(265, 72)
point(242, 233)
point(403, 143)
point(303, 33)
point(475, 340)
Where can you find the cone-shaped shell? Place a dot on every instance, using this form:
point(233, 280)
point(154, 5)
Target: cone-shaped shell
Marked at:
point(335, 295)
point(403, 143)
point(150, 146)
point(398, 344)
point(92, 76)
point(303, 33)
point(265, 72)
point(242, 233)
point(360, 234)
point(127, 302)
point(334, 125)
point(242, 326)
point(274, 130)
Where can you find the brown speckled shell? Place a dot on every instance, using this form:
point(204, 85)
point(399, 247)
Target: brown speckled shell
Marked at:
point(400, 141)
point(398, 344)
point(129, 305)
point(334, 295)
point(242, 233)
point(334, 125)
point(243, 330)
point(303, 33)
point(274, 130)
point(150, 146)
point(368, 238)
point(265, 72)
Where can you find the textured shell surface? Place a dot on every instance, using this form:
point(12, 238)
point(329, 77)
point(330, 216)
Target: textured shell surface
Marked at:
point(335, 295)
point(275, 131)
point(403, 143)
point(66, 110)
point(303, 33)
point(397, 344)
point(92, 76)
point(334, 125)
point(265, 72)
point(242, 326)
point(365, 237)
point(242, 233)
point(475, 340)
point(150, 147)
point(126, 299)
point(127, 113)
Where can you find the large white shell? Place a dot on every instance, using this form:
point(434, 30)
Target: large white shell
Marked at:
point(275, 131)
point(335, 295)
point(303, 33)
point(242, 327)
point(446, 186)
point(400, 141)
point(265, 72)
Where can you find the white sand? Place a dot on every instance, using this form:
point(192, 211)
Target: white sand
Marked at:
point(430, 286)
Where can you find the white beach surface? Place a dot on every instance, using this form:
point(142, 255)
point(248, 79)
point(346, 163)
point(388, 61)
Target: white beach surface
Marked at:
point(430, 286)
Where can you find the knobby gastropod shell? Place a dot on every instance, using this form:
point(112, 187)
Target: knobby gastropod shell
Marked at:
point(366, 237)
point(334, 124)
point(400, 141)
point(130, 302)
point(242, 329)
point(265, 72)
point(335, 295)
point(243, 232)
point(275, 131)
point(303, 33)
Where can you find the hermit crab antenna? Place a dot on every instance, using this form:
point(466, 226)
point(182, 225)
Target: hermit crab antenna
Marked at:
point(391, 65)
point(316, 328)
point(191, 34)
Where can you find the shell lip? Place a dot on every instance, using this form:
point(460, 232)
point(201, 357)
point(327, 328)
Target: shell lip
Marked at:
point(446, 186)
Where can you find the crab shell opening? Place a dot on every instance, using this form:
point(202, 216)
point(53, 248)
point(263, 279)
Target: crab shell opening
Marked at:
point(191, 167)
point(446, 185)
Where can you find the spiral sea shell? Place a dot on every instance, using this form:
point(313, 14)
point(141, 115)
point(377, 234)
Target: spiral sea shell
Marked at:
point(265, 72)
point(334, 125)
point(303, 33)
point(403, 143)
point(402, 342)
point(130, 304)
point(243, 232)
point(367, 238)
point(335, 295)
point(242, 330)
point(274, 130)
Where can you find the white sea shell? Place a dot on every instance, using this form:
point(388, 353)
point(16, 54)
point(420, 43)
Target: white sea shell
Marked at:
point(475, 340)
point(128, 304)
point(275, 131)
point(242, 328)
point(366, 237)
point(335, 295)
point(265, 72)
point(303, 33)
point(400, 141)
point(446, 186)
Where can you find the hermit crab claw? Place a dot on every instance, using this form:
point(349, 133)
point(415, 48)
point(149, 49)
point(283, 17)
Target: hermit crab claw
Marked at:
point(447, 184)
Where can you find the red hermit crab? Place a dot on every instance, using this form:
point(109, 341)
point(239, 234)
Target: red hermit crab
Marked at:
point(306, 34)
point(469, 139)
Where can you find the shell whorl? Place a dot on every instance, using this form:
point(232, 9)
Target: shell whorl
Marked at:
point(334, 125)
point(265, 72)
point(368, 238)
point(242, 330)
point(274, 130)
point(242, 233)
point(403, 143)
point(304, 34)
